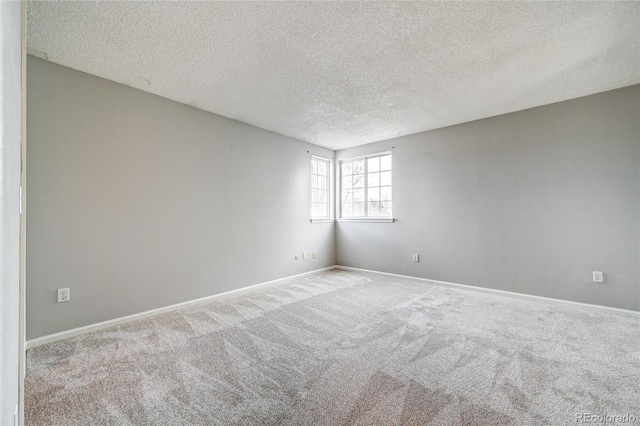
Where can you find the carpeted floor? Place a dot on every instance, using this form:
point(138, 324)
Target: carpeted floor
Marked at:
point(345, 348)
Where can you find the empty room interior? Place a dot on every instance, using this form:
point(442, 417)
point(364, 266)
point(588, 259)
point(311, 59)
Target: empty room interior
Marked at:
point(331, 213)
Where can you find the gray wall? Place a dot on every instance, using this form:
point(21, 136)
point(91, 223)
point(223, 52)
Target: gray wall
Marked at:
point(10, 132)
point(138, 202)
point(530, 202)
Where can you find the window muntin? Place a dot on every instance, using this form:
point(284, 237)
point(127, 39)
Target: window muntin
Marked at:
point(365, 187)
point(320, 176)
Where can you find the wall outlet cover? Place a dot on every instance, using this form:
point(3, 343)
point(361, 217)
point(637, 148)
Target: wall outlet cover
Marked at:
point(598, 277)
point(64, 295)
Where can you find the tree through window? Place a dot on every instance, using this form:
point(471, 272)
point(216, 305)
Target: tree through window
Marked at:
point(365, 187)
point(320, 169)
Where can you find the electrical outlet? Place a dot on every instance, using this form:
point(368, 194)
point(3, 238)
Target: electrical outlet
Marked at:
point(598, 277)
point(416, 258)
point(304, 254)
point(314, 255)
point(64, 295)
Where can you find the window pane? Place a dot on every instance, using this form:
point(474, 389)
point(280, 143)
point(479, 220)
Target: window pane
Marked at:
point(385, 179)
point(373, 164)
point(347, 182)
point(347, 209)
point(373, 194)
point(322, 182)
point(347, 168)
point(385, 209)
point(374, 209)
point(374, 179)
point(322, 168)
point(347, 197)
point(358, 166)
point(358, 181)
point(358, 209)
point(358, 195)
point(385, 193)
point(385, 162)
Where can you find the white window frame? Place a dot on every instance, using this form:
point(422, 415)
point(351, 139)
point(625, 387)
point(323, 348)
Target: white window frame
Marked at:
point(366, 217)
point(330, 192)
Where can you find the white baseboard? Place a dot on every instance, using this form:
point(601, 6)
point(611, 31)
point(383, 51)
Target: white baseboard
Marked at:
point(599, 308)
point(105, 324)
point(110, 323)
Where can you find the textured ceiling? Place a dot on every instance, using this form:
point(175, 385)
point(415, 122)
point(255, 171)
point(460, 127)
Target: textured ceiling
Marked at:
point(340, 74)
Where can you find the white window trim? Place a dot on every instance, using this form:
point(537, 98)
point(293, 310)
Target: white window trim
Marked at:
point(315, 220)
point(330, 193)
point(367, 219)
point(338, 192)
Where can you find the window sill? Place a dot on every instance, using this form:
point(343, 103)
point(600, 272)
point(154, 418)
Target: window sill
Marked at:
point(312, 220)
point(368, 219)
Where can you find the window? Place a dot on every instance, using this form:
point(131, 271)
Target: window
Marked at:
point(320, 172)
point(365, 187)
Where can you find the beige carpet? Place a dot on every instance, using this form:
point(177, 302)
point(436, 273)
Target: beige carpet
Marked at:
point(345, 348)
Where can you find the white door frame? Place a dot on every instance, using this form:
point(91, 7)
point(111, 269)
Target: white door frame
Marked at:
point(23, 220)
